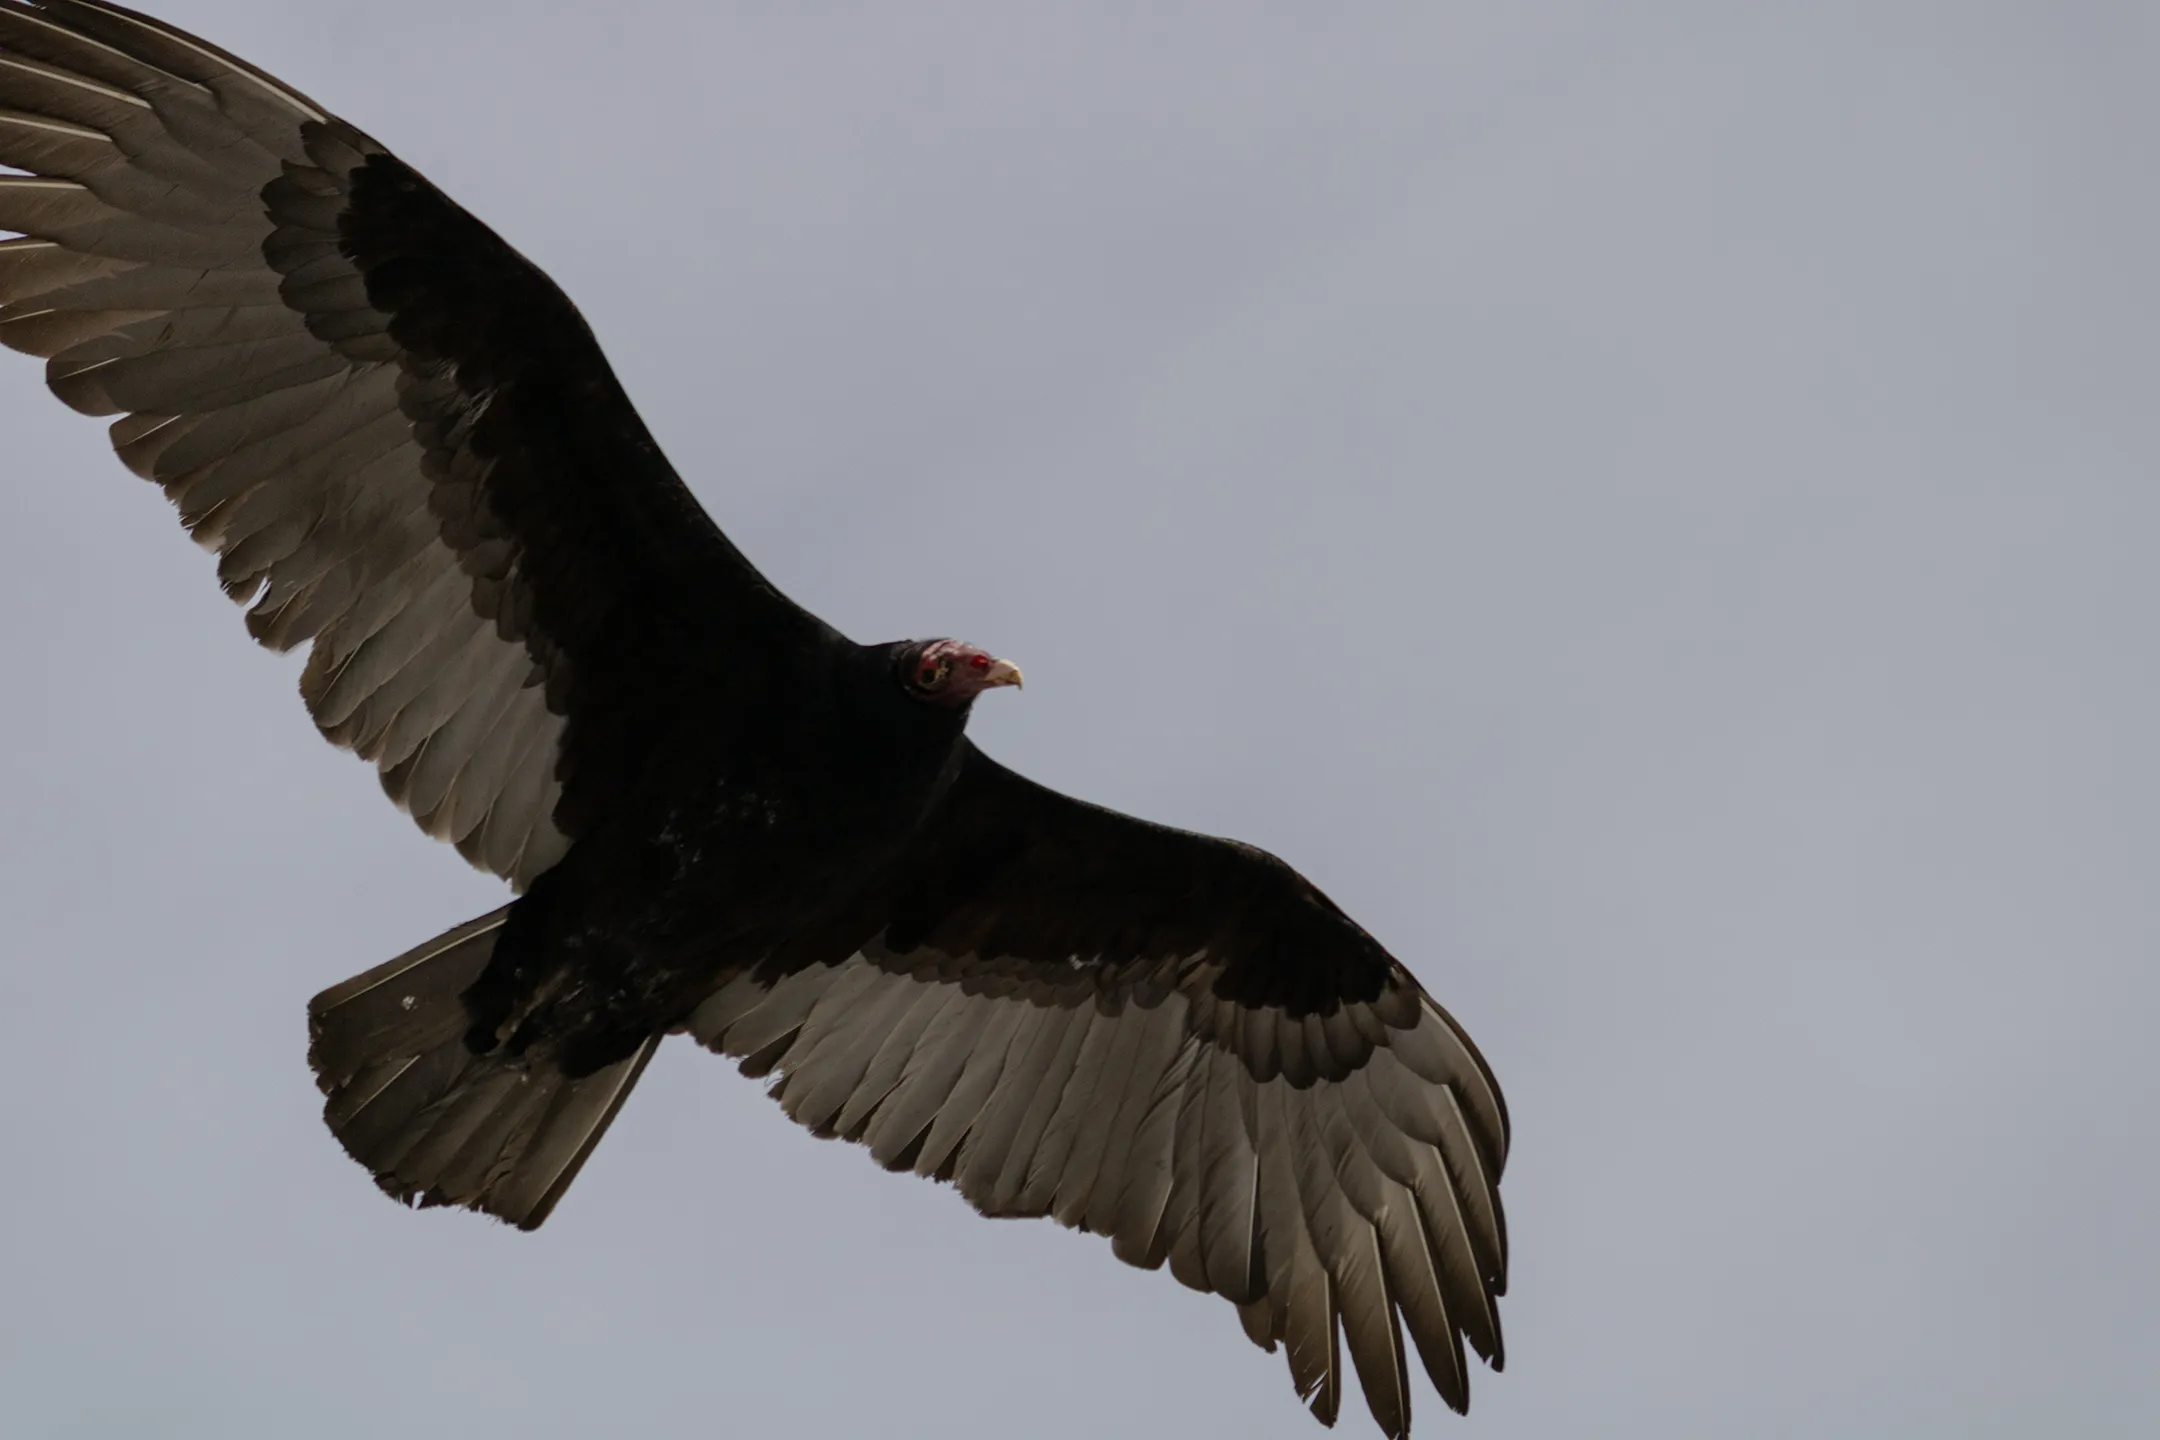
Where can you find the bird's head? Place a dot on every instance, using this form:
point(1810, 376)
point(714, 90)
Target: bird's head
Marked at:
point(949, 672)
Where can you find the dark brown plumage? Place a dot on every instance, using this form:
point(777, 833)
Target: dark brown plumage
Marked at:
point(723, 817)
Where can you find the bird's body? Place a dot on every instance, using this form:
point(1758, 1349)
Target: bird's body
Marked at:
point(739, 846)
point(722, 817)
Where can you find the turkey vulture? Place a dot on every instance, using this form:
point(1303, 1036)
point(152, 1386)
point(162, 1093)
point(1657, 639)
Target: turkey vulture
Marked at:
point(718, 814)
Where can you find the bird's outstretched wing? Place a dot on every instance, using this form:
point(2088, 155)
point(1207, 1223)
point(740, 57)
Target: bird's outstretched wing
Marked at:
point(1174, 1041)
point(399, 437)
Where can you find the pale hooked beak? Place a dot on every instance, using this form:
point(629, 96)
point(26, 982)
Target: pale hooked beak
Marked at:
point(1002, 672)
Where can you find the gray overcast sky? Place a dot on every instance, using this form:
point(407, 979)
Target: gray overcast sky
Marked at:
point(1651, 506)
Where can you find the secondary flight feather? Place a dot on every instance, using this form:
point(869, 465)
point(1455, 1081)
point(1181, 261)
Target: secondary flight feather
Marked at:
point(720, 816)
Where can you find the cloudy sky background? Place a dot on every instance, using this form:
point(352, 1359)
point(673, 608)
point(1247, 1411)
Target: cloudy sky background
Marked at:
point(1651, 506)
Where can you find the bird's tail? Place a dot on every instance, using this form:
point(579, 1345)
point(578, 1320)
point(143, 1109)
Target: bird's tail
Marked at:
point(435, 1123)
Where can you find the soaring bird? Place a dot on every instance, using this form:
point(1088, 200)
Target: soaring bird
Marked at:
point(717, 814)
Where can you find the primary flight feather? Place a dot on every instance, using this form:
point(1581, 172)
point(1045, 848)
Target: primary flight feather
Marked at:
point(722, 816)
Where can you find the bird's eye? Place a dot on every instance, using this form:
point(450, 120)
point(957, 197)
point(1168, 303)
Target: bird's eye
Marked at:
point(927, 676)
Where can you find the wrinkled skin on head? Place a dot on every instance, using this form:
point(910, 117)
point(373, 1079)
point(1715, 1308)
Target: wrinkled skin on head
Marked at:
point(950, 673)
